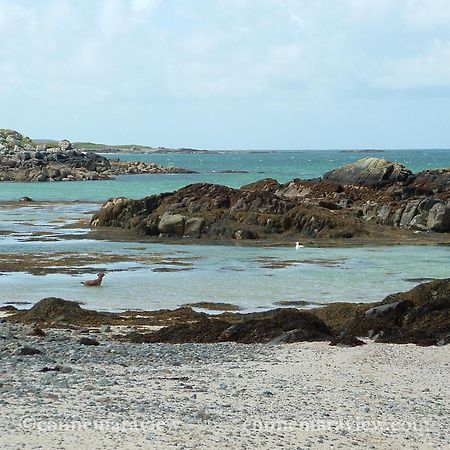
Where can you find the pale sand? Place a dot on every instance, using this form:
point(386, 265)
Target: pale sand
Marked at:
point(306, 395)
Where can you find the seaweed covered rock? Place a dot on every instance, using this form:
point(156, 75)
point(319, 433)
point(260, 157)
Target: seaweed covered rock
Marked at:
point(357, 200)
point(421, 316)
point(282, 325)
point(211, 210)
point(56, 311)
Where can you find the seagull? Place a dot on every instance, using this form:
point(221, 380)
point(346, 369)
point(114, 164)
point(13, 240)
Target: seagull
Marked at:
point(298, 245)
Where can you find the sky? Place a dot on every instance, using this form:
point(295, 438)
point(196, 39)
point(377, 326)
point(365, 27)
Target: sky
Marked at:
point(228, 74)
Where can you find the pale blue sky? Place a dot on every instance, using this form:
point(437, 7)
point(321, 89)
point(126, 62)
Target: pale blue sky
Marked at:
point(256, 74)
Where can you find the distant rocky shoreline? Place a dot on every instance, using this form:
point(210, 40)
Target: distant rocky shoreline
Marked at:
point(366, 199)
point(21, 160)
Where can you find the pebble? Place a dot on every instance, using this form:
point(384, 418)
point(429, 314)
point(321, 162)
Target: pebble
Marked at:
point(224, 408)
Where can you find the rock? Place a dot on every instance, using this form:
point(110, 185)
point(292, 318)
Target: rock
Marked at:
point(194, 226)
point(409, 213)
point(421, 316)
point(439, 218)
point(379, 194)
point(88, 341)
point(368, 172)
point(36, 331)
point(65, 145)
point(138, 167)
point(379, 311)
point(54, 310)
point(172, 224)
point(282, 325)
point(21, 160)
point(329, 205)
point(222, 212)
point(9, 336)
point(25, 199)
point(346, 340)
point(245, 234)
point(26, 351)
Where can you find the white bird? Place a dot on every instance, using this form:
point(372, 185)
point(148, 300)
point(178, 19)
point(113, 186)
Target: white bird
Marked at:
point(298, 245)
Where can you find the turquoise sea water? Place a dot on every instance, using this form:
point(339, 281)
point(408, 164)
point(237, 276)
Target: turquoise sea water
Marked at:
point(251, 277)
point(283, 166)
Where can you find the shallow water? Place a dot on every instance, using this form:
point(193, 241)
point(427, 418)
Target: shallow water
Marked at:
point(283, 166)
point(250, 277)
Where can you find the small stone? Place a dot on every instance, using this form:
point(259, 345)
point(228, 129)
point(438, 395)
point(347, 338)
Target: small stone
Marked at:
point(88, 341)
point(36, 331)
point(29, 351)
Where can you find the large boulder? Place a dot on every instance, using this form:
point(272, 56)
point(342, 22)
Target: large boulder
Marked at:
point(439, 218)
point(375, 172)
point(172, 224)
point(194, 226)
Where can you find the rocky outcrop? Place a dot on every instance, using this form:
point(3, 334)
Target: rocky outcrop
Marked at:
point(22, 160)
point(283, 325)
point(208, 210)
point(54, 311)
point(119, 167)
point(311, 208)
point(420, 316)
point(373, 172)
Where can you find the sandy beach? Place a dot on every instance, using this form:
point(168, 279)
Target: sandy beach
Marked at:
point(197, 396)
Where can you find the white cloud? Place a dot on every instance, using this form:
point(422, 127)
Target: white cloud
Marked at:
point(430, 69)
point(427, 14)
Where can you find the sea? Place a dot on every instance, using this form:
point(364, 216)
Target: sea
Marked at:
point(45, 234)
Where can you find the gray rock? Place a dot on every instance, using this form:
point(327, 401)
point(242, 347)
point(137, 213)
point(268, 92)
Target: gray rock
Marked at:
point(408, 213)
point(65, 145)
point(378, 311)
point(172, 224)
point(26, 351)
point(194, 225)
point(439, 218)
point(368, 172)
